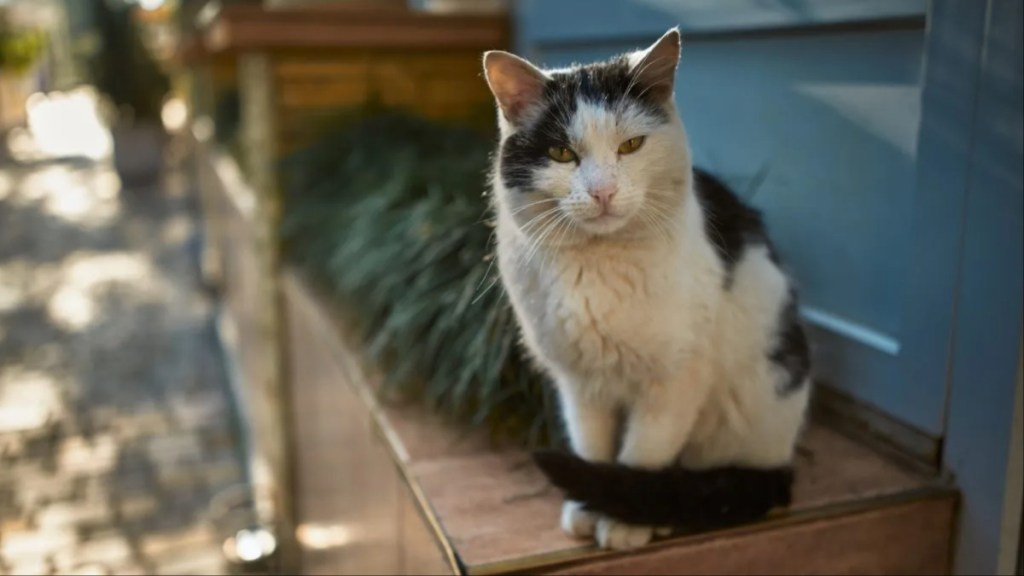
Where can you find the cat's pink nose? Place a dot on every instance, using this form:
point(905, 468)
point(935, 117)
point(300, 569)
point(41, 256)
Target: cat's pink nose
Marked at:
point(603, 195)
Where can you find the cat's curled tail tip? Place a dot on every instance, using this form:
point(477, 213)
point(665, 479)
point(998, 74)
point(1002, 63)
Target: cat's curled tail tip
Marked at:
point(556, 465)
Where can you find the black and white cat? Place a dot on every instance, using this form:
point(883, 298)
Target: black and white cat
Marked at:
point(650, 295)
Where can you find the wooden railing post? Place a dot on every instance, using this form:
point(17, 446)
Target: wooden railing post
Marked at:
point(294, 69)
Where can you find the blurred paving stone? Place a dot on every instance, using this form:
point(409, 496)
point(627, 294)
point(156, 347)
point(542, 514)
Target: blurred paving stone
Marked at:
point(160, 544)
point(208, 561)
point(105, 551)
point(81, 456)
point(33, 545)
point(127, 570)
point(199, 412)
point(115, 426)
point(29, 401)
point(134, 508)
point(217, 440)
point(174, 476)
point(11, 526)
point(133, 483)
point(222, 472)
point(175, 450)
point(37, 488)
point(70, 514)
point(142, 422)
point(88, 570)
point(32, 567)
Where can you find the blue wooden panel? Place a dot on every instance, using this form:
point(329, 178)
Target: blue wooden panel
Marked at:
point(892, 163)
point(955, 39)
point(544, 21)
point(831, 121)
point(989, 304)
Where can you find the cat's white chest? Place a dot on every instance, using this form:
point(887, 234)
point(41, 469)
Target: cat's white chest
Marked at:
point(615, 319)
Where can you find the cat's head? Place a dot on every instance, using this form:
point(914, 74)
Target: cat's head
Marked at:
point(593, 150)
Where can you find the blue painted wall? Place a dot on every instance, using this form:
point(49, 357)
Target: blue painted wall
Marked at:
point(988, 307)
point(883, 141)
point(826, 122)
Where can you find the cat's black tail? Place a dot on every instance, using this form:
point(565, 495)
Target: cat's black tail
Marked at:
point(670, 497)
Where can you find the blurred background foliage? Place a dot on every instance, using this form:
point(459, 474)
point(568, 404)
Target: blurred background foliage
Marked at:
point(124, 68)
point(19, 48)
point(387, 213)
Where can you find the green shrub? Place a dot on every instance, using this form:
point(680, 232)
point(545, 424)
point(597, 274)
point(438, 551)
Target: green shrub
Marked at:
point(124, 69)
point(388, 214)
point(20, 49)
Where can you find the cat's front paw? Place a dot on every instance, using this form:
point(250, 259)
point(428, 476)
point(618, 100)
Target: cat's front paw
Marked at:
point(614, 535)
point(576, 521)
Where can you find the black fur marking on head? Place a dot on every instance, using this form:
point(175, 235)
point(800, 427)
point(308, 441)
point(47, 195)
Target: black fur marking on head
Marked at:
point(729, 223)
point(670, 497)
point(792, 352)
point(606, 83)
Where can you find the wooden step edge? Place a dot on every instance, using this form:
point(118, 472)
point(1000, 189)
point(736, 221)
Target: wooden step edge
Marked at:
point(292, 283)
point(589, 554)
point(931, 490)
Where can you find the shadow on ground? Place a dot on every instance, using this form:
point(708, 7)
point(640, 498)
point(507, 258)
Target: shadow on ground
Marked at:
point(115, 421)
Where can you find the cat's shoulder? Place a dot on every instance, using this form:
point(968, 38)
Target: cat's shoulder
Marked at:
point(730, 224)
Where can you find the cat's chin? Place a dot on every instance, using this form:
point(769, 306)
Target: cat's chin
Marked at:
point(604, 224)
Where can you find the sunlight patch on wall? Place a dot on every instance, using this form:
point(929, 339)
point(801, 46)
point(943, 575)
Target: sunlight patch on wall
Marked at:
point(891, 112)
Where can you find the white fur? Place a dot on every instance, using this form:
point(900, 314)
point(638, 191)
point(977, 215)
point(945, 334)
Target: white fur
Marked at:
point(628, 312)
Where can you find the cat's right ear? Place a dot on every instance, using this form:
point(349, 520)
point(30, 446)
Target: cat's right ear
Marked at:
point(517, 85)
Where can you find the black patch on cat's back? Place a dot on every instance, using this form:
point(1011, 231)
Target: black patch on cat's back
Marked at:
point(730, 225)
point(605, 83)
point(792, 352)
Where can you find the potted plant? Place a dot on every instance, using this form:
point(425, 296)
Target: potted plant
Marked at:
point(130, 77)
point(20, 50)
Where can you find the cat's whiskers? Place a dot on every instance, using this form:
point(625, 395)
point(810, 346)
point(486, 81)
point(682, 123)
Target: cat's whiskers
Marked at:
point(568, 226)
point(490, 266)
point(532, 222)
point(653, 224)
point(525, 206)
point(661, 218)
point(664, 207)
point(493, 283)
point(553, 240)
point(538, 222)
point(645, 212)
point(547, 233)
point(708, 222)
point(542, 239)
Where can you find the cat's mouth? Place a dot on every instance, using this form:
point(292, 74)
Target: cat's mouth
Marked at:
point(604, 222)
point(603, 217)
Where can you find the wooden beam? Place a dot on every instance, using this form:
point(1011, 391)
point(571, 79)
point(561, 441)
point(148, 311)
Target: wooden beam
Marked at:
point(246, 28)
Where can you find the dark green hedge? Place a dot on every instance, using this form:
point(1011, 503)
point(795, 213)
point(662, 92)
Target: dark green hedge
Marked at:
point(388, 214)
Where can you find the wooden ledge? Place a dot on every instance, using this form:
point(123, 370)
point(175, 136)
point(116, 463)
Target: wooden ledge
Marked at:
point(854, 511)
point(248, 28)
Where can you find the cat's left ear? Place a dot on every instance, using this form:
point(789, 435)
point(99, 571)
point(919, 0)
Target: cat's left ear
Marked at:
point(655, 67)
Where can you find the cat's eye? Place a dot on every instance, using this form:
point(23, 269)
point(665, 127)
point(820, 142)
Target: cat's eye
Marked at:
point(561, 154)
point(631, 145)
